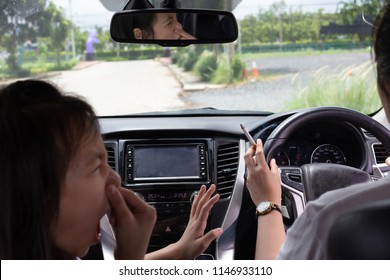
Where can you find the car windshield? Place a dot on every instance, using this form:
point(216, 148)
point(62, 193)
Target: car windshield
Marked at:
point(289, 54)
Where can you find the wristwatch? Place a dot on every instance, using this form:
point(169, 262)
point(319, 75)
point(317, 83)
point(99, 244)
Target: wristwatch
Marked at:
point(266, 207)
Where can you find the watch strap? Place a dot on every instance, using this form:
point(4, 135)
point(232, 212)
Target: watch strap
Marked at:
point(272, 207)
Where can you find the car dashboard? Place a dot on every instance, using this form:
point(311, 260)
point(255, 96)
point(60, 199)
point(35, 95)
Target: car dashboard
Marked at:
point(166, 159)
point(322, 142)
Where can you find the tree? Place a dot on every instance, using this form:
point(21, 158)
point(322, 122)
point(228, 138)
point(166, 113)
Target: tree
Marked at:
point(354, 9)
point(58, 30)
point(279, 9)
point(279, 24)
point(24, 20)
point(80, 39)
point(104, 38)
point(356, 12)
point(16, 19)
point(249, 27)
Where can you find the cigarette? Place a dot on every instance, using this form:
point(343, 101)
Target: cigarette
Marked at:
point(251, 140)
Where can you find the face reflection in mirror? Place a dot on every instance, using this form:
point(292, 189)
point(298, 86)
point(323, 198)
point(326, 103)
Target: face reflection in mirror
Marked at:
point(161, 26)
point(173, 27)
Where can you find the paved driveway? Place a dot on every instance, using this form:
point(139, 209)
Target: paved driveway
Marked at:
point(124, 87)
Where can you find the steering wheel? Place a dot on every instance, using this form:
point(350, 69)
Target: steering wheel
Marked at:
point(309, 181)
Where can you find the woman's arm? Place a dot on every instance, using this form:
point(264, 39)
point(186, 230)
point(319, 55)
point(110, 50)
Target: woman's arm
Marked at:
point(263, 184)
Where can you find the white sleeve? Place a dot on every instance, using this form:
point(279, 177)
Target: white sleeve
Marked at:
point(302, 242)
point(307, 238)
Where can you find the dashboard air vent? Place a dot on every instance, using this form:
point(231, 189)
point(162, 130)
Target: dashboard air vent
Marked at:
point(227, 160)
point(380, 153)
point(111, 157)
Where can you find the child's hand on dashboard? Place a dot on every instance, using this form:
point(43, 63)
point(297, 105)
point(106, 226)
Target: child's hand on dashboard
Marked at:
point(194, 240)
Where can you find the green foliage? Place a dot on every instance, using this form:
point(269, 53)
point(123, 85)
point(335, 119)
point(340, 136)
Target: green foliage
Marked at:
point(353, 88)
point(282, 24)
point(209, 65)
point(30, 20)
point(104, 39)
point(228, 72)
point(269, 50)
point(63, 66)
point(237, 67)
point(80, 40)
point(136, 54)
point(352, 10)
point(59, 27)
point(176, 56)
point(206, 65)
point(116, 58)
point(185, 57)
point(280, 27)
point(190, 60)
point(181, 58)
point(223, 73)
point(43, 66)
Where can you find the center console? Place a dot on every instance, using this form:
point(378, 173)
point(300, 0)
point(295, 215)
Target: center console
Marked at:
point(166, 173)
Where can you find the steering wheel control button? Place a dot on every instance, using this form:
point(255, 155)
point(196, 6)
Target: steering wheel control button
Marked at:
point(292, 177)
point(295, 177)
point(381, 170)
point(266, 207)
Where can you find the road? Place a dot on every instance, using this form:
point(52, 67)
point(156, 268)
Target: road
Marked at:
point(125, 87)
point(287, 75)
point(115, 88)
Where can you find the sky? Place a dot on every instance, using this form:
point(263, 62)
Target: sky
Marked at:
point(89, 13)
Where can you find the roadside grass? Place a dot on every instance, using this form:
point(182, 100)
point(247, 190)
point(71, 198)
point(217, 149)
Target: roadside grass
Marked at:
point(306, 52)
point(353, 87)
point(228, 72)
point(41, 66)
point(223, 73)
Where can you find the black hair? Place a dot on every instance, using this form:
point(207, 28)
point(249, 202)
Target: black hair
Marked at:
point(41, 130)
point(143, 22)
point(381, 48)
point(124, 24)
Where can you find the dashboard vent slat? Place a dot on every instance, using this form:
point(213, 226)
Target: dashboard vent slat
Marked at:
point(380, 153)
point(227, 166)
point(111, 157)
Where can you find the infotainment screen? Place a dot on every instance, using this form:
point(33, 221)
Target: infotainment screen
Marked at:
point(166, 161)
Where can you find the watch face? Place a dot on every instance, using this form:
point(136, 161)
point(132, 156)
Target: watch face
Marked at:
point(263, 206)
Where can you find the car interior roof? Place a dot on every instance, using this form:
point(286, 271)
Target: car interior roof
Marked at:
point(228, 5)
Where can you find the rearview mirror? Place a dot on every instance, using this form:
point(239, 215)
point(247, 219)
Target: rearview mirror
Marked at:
point(173, 27)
